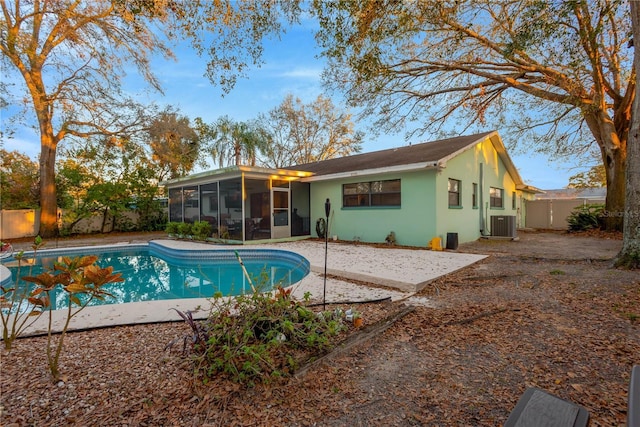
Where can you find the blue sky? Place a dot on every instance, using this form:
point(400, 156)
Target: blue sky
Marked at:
point(292, 65)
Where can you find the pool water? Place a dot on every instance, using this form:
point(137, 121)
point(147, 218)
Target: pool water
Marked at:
point(155, 272)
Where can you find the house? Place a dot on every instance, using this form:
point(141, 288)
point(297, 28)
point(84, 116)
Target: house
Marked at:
point(465, 185)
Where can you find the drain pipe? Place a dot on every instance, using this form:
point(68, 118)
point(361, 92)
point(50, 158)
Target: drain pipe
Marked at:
point(483, 214)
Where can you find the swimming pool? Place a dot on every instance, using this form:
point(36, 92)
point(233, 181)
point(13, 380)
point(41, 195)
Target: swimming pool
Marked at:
point(155, 272)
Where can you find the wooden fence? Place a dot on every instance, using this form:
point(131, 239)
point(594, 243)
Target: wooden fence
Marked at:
point(552, 213)
point(15, 224)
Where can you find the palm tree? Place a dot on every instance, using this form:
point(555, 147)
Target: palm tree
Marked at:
point(238, 142)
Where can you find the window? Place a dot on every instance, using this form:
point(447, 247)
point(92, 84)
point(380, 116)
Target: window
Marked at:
point(375, 193)
point(454, 193)
point(474, 196)
point(495, 197)
point(513, 200)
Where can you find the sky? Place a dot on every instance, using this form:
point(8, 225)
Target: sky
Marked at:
point(292, 65)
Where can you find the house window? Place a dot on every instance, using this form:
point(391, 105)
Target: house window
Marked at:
point(374, 193)
point(495, 197)
point(513, 200)
point(454, 193)
point(474, 195)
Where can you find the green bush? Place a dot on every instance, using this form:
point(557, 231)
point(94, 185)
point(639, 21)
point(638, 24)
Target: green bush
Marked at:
point(172, 227)
point(184, 229)
point(201, 230)
point(585, 217)
point(257, 337)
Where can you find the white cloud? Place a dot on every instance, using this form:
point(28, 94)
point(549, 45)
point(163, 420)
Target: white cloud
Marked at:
point(303, 73)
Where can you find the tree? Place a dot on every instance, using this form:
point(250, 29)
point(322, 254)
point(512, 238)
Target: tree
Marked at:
point(305, 133)
point(556, 71)
point(174, 144)
point(72, 55)
point(93, 175)
point(595, 177)
point(629, 256)
point(237, 143)
point(18, 181)
point(108, 180)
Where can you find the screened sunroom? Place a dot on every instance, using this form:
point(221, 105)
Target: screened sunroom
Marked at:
point(243, 203)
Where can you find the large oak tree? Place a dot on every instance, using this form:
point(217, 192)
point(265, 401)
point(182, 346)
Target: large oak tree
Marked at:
point(304, 133)
point(174, 144)
point(71, 56)
point(630, 254)
point(558, 74)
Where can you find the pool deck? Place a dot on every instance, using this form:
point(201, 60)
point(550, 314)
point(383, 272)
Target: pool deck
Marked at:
point(355, 273)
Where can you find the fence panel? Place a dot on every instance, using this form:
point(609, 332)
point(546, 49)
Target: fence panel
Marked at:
point(15, 224)
point(552, 214)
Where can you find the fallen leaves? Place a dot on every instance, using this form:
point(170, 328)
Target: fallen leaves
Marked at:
point(501, 326)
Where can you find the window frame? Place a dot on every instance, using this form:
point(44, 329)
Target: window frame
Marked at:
point(513, 200)
point(493, 198)
point(457, 193)
point(366, 195)
point(474, 195)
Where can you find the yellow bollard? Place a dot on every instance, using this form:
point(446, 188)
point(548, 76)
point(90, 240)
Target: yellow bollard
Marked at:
point(435, 244)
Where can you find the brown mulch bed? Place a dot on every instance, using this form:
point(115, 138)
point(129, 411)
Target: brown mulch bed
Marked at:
point(569, 326)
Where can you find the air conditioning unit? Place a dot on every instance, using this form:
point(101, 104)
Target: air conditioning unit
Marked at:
point(503, 225)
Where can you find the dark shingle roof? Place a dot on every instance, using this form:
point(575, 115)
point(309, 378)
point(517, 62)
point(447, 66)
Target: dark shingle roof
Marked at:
point(418, 153)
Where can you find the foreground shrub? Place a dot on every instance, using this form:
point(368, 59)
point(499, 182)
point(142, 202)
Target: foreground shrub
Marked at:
point(585, 217)
point(257, 337)
point(184, 229)
point(16, 312)
point(172, 228)
point(82, 281)
point(201, 230)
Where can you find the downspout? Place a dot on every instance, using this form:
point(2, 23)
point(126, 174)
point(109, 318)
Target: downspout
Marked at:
point(483, 219)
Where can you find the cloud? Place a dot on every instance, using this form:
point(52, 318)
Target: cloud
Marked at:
point(303, 73)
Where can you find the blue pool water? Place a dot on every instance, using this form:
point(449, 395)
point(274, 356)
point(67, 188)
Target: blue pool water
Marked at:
point(154, 272)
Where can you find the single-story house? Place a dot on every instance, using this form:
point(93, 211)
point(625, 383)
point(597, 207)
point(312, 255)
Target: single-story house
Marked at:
point(465, 185)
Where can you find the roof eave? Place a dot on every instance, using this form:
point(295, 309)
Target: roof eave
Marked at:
point(529, 189)
point(375, 171)
point(234, 171)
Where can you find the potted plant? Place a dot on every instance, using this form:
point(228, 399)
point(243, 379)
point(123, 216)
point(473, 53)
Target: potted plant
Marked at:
point(358, 321)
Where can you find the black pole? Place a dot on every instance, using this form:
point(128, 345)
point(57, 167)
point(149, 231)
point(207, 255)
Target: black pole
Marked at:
point(327, 210)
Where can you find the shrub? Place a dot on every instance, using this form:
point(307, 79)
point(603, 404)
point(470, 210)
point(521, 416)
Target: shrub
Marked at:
point(254, 338)
point(81, 280)
point(16, 312)
point(172, 228)
point(184, 229)
point(585, 217)
point(201, 230)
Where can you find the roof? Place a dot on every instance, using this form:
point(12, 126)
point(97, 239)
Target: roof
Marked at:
point(596, 193)
point(425, 154)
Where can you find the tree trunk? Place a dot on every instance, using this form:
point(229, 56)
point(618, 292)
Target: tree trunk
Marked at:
point(48, 201)
point(629, 256)
point(615, 165)
point(613, 148)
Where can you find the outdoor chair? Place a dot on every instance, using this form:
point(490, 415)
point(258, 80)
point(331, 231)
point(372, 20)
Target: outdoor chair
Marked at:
point(249, 229)
point(537, 408)
point(633, 406)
